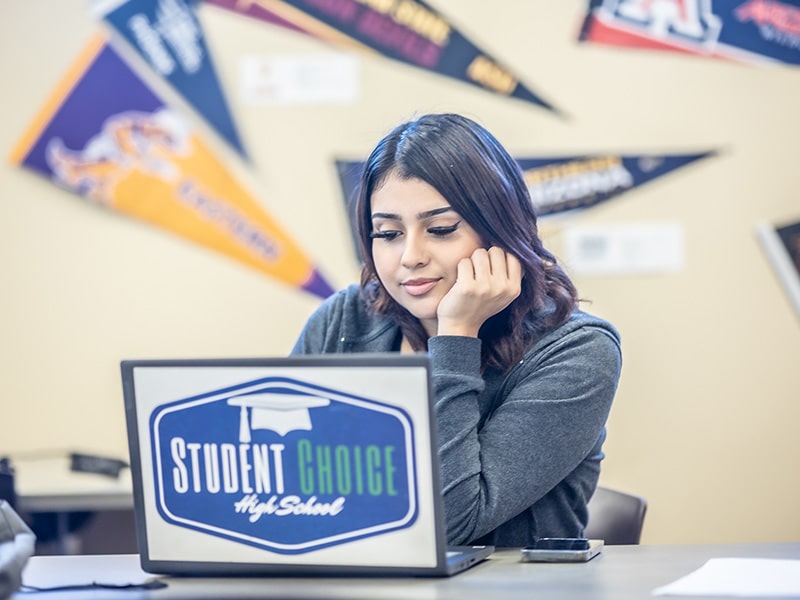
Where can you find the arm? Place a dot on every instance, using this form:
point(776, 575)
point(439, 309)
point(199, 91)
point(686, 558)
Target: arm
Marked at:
point(553, 410)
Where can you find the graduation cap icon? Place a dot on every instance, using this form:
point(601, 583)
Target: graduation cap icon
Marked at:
point(275, 411)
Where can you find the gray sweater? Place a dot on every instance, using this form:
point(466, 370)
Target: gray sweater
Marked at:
point(520, 454)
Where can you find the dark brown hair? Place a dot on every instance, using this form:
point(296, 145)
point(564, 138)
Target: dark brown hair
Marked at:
point(484, 185)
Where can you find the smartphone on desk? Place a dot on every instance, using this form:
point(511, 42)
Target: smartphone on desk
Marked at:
point(562, 550)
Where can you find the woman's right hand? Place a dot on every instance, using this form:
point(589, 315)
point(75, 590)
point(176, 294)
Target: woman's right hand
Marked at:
point(487, 282)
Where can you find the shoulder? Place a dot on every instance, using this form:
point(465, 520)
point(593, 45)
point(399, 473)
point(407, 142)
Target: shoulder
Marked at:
point(342, 298)
point(347, 303)
point(582, 338)
point(578, 360)
point(343, 321)
point(344, 305)
point(581, 324)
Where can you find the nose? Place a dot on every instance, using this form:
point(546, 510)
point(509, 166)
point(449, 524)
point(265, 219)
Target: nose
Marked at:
point(414, 252)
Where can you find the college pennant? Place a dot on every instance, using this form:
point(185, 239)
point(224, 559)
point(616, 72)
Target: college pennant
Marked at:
point(105, 135)
point(751, 31)
point(558, 185)
point(170, 39)
point(408, 31)
point(561, 184)
point(781, 243)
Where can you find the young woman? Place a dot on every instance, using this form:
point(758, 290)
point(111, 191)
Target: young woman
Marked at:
point(524, 380)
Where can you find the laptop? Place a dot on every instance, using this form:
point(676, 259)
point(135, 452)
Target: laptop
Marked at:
point(308, 465)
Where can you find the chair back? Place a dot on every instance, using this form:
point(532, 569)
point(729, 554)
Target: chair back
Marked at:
point(616, 517)
point(7, 491)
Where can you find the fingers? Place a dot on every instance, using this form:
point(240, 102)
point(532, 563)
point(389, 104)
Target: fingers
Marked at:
point(495, 262)
point(466, 270)
point(506, 273)
point(514, 270)
point(487, 282)
point(491, 273)
point(498, 260)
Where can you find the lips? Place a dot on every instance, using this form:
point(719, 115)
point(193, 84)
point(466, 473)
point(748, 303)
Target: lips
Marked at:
point(418, 287)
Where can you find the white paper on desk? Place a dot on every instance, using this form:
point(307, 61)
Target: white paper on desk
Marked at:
point(738, 577)
point(57, 571)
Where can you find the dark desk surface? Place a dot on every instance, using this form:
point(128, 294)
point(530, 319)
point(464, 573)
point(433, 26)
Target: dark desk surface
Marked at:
point(618, 573)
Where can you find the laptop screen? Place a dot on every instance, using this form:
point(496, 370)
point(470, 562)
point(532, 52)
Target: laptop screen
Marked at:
point(326, 461)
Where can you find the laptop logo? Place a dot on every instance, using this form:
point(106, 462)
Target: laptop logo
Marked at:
point(284, 465)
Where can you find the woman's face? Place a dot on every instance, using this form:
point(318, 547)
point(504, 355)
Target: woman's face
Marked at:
point(418, 240)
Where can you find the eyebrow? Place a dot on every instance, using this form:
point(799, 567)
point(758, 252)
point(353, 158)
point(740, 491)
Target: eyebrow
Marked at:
point(423, 215)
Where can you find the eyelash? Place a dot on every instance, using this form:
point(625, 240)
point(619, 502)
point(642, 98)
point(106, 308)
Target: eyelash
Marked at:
point(440, 232)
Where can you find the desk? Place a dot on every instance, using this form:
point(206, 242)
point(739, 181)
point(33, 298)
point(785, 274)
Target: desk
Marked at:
point(48, 485)
point(618, 573)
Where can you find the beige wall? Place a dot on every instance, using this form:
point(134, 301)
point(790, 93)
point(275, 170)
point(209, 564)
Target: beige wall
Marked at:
point(705, 423)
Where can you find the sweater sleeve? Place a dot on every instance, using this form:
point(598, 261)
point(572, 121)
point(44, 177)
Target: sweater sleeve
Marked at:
point(553, 411)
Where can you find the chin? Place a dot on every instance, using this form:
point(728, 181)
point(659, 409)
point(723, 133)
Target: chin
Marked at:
point(423, 318)
point(423, 313)
point(423, 309)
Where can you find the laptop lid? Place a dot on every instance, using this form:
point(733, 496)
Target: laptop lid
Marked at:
point(297, 465)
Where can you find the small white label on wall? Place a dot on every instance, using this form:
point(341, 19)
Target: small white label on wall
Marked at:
point(632, 249)
point(330, 78)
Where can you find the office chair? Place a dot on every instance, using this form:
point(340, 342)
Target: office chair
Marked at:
point(7, 491)
point(616, 517)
